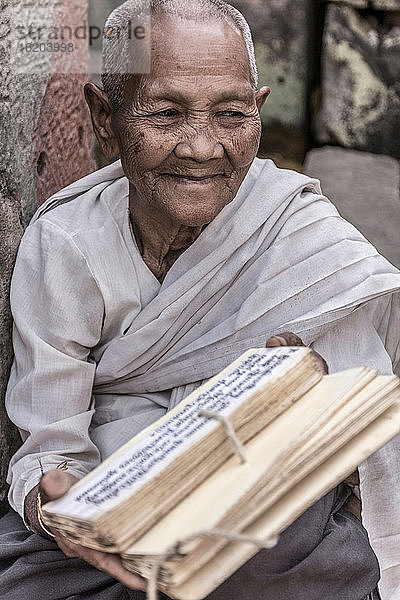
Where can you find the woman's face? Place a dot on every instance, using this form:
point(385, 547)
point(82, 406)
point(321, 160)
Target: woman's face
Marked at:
point(188, 132)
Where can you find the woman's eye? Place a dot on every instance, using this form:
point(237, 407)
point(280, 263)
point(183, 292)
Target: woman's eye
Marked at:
point(168, 112)
point(231, 113)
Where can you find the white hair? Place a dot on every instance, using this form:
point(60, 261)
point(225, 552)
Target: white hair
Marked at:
point(117, 57)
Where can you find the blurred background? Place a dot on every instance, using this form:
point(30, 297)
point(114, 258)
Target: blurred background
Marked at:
point(334, 113)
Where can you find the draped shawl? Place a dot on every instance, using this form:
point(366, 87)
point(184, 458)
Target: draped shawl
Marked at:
point(278, 257)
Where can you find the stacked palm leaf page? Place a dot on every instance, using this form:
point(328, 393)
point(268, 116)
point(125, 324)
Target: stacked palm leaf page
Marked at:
point(174, 494)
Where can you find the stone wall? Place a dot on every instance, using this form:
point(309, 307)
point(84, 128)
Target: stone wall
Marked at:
point(45, 142)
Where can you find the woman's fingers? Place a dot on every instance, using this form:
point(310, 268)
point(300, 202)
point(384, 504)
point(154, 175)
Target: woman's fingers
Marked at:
point(291, 339)
point(321, 363)
point(55, 484)
point(284, 339)
point(110, 563)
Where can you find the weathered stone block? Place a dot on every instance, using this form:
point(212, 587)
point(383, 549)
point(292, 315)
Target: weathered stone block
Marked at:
point(62, 140)
point(360, 82)
point(365, 189)
point(375, 4)
point(50, 142)
point(384, 4)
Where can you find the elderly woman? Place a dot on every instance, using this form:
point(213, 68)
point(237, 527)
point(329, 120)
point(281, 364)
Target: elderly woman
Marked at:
point(137, 283)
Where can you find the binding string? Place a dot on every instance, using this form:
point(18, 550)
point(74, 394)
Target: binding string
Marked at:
point(230, 536)
point(237, 444)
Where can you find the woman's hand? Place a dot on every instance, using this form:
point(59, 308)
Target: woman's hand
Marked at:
point(291, 339)
point(55, 484)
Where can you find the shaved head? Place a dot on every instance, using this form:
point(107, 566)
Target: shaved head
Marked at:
point(120, 59)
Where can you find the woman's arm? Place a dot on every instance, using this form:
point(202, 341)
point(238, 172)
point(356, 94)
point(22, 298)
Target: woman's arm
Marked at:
point(58, 312)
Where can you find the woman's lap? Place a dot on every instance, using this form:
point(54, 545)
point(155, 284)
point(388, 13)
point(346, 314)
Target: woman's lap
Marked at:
point(332, 557)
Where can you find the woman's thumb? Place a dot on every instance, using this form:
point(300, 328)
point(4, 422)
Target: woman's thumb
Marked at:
point(55, 484)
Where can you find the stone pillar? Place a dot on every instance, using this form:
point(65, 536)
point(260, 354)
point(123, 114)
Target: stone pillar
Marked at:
point(45, 138)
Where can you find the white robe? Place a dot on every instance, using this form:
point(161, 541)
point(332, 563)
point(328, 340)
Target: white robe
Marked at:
point(91, 318)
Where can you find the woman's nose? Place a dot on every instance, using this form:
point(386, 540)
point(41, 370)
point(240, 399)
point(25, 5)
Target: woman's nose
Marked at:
point(199, 145)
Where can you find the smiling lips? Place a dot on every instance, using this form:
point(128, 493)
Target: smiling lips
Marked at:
point(191, 179)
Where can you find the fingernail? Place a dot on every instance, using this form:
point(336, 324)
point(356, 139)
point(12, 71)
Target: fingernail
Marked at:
point(281, 340)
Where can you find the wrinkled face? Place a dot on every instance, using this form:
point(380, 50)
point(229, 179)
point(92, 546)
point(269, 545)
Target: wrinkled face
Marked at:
point(188, 133)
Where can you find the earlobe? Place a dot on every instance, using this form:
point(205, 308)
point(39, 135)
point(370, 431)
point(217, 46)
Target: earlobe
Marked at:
point(261, 96)
point(100, 112)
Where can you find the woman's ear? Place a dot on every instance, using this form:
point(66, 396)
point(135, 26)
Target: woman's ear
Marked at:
point(100, 111)
point(261, 96)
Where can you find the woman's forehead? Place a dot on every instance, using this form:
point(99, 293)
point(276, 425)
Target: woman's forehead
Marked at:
point(190, 48)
